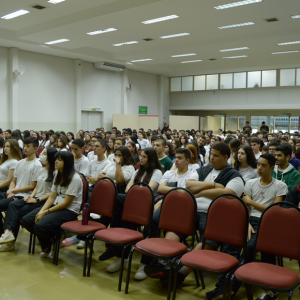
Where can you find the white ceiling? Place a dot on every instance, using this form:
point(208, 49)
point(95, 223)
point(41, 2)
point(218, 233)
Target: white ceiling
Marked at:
point(72, 19)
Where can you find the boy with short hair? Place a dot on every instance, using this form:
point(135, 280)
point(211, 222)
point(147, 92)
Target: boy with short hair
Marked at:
point(81, 163)
point(165, 161)
point(91, 156)
point(255, 144)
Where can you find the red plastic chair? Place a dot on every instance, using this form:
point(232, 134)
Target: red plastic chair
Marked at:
point(138, 209)
point(176, 206)
point(227, 222)
point(102, 203)
point(278, 234)
point(40, 150)
point(137, 166)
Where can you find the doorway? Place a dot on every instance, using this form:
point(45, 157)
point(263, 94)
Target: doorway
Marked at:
point(90, 120)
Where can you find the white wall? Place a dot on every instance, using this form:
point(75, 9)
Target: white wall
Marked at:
point(3, 89)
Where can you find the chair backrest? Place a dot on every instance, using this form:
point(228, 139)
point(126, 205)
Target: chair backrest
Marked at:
point(137, 166)
point(40, 150)
point(279, 231)
point(227, 221)
point(178, 204)
point(85, 191)
point(138, 207)
point(103, 197)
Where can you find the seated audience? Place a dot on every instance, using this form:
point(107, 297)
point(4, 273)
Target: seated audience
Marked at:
point(81, 163)
point(255, 144)
point(133, 150)
point(165, 161)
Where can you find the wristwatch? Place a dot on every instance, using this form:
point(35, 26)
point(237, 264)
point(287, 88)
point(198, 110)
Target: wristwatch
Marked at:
point(119, 163)
point(37, 200)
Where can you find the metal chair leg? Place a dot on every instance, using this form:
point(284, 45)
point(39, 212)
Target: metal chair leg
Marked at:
point(202, 279)
point(175, 279)
point(249, 292)
point(85, 256)
point(90, 257)
point(128, 270)
point(30, 243)
point(196, 277)
point(33, 244)
point(121, 270)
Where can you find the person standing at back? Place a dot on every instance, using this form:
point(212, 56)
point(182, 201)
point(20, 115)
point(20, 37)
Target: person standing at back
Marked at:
point(264, 128)
point(247, 129)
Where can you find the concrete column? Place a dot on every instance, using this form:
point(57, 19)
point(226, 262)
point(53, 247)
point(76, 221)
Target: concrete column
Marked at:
point(163, 100)
point(13, 89)
point(78, 94)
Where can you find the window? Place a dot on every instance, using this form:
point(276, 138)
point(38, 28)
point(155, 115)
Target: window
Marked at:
point(287, 77)
point(226, 81)
point(199, 83)
point(298, 77)
point(212, 82)
point(239, 80)
point(269, 78)
point(187, 83)
point(176, 84)
point(254, 79)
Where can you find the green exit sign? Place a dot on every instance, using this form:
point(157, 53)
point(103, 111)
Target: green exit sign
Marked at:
point(96, 109)
point(143, 110)
point(286, 114)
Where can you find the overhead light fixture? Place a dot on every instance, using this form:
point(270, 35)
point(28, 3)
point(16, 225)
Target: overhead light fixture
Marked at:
point(284, 52)
point(174, 35)
point(236, 25)
point(235, 4)
point(295, 17)
point(234, 49)
point(241, 56)
point(102, 31)
point(15, 14)
point(55, 1)
point(160, 19)
point(181, 55)
point(57, 41)
point(289, 43)
point(191, 61)
point(145, 59)
point(126, 43)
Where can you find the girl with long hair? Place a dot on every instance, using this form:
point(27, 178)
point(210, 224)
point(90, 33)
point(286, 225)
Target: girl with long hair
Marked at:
point(87, 144)
point(70, 138)
point(45, 139)
point(183, 141)
point(132, 148)
point(169, 151)
point(53, 141)
point(111, 147)
point(175, 144)
point(62, 144)
point(79, 135)
point(234, 145)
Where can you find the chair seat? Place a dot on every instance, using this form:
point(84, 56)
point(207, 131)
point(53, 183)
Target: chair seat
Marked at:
point(161, 247)
point(267, 275)
point(210, 260)
point(119, 235)
point(76, 226)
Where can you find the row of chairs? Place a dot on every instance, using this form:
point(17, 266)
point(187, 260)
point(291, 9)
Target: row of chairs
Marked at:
point(227, 222)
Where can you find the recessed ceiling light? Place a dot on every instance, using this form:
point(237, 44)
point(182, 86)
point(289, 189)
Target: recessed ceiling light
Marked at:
point(55, 1)
point(126, 43)
point(234, 49)
point(145, 59)
point(241, 56)
point(102, 31)
point(295, 17)
point(190, 61)
point(128, 63)
point(181, 55)
point(284, 52)
point(160, 19)
point(235, 4)
point(174, 35)
point(289, 43)
point(57, 41)
point(236, 25)
point(15, 14)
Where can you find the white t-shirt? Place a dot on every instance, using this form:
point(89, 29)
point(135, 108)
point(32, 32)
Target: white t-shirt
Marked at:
point(257, 156)
point(96, 167)
point(81, 165)
point(75, 188)
point(264, 195)
point(236, 184)
point(43, 186)
point(70, 143)
point(191, 167)
point(111, 158)
point(25, 173)
point(156, 176)
point(20, 142)
point(5, 167)
point(110, 171)
point(45, 144)
point(91, 156)
point(248, 173)
point(63, 149)
point(144, 143)
point(172, 176)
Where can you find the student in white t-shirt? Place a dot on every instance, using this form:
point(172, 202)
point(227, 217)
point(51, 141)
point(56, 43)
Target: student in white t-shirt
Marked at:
point(119, 141)
point(81, 163)
point(142, 140)
point(45, 139)
point(19, 208)
point(70, 138)
point(63, 204)
point(62, 144)
point(246, 163)
point(150, 172)
point(259, 194)
point(255, 144)
point(8, 163)
point(91, 155)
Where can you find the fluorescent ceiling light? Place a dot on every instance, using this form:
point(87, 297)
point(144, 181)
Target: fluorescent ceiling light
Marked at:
point(236, 25)
point(234, 49)
point(57, 41)
point(241, 56)
point(160, 19)
point(15, 14)
point(235, 4)
point(295, 17)
point(55, 1)
point(289, 43)
point(102, 31)
point(174, 35)
point(283, 52)
point(190, 61)
point(126, 43)
point(138, 60)
point(181, 55)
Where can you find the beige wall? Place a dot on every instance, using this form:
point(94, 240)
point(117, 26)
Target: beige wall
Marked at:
point(211, 123)
point(184, 122)
point(135, 122)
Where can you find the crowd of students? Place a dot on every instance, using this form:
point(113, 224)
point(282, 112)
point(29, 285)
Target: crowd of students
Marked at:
point(41, 193)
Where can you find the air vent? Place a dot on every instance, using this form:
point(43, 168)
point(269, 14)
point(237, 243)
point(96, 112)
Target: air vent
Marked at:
point(272, 20)
point(109, 66)
point(39, 7)
point(212, 59)
point(148, 40)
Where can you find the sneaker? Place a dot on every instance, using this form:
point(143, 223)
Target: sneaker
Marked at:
point(268, 295)
point(66, 242)
point(116, 265)
point(45, 254)
point(157, 271)
point(109, 253)
point(6, 237)
point(7, 247)
point(217, 293)
point(81, 245)
point(140, 273)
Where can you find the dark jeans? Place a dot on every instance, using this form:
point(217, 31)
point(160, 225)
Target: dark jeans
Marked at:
point(46, 228)
point(3, 194)
point(16, 211)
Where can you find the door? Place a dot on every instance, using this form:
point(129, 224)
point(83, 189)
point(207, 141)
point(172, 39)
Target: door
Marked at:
point(90, 120)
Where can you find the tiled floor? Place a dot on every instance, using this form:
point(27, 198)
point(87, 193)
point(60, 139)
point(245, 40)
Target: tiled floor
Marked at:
point(28, 277)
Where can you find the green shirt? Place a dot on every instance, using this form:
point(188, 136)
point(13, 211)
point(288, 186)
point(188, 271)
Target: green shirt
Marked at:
point(166, 163)
point(290, 178)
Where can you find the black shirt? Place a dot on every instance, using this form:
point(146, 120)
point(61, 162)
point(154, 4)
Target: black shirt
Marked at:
point(264, 128)
point(247, 132)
